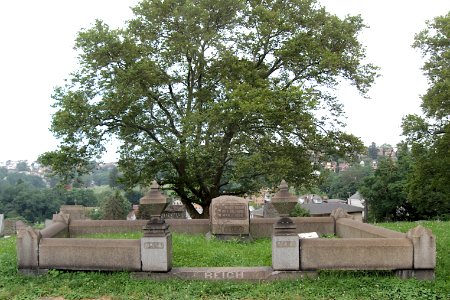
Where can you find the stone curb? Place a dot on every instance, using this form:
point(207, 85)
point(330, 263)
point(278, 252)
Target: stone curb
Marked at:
point(225, 273)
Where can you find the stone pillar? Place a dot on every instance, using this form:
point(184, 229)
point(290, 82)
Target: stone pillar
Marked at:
point(156, 246)
point(285, 246)
point(424, 243)
point(27, 249)
point(424, 255)
point(2, 225)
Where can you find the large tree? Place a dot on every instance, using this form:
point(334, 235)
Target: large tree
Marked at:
point(212, 97)
point(429, 135)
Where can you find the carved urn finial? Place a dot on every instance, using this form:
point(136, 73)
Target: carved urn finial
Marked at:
point(283, 201)
point(154, 202)
point(150, 207)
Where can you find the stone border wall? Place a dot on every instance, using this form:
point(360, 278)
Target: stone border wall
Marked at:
point(356, 254)
point(361, 246)
point(90, 254)
point(259, 227)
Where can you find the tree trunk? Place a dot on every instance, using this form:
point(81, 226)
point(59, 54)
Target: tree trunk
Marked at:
point(193, 212)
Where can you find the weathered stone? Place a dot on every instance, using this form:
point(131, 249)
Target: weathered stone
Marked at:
point(76, 212)
point(229, 216)
point(340, 213)
point(283, 201)
point(348, 228)
point(27, 244)
point(62, 217)
point(224, 273)
point(174, 212)
point(47, 223)
point(285, 252)
point(356, 254)
point(90, 254)
point(153, 203)
point(417, 274)
point(19, 225)
point(156, 253)
point(424, 247)
point(269, 210)
point(2, 224)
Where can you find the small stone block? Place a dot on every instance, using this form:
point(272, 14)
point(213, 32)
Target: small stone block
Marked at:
point(156, 253)
point(285, 252)
point(417, 274)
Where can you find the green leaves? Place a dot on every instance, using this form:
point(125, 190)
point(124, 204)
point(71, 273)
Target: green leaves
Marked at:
point(429, 136)
point(212, 96)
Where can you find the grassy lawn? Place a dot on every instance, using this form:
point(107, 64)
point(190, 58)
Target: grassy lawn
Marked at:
point(196, 251)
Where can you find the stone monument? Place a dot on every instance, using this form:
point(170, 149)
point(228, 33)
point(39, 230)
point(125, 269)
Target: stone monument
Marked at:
point(174, 212)
point(229, 217)
point(285, 241)
point(156, 245)
point(2, 225)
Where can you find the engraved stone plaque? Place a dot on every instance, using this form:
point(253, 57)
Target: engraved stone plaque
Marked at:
point(229, 216)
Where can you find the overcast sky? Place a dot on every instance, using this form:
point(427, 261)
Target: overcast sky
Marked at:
point(37, 54)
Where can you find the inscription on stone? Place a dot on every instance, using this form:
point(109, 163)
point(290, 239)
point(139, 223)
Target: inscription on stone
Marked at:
point(224, 275)
point(229, 216)
point(285, 244)
point(153, 245)
point(231, 211)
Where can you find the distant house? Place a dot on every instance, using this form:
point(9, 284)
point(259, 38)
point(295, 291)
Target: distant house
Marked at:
point(325, 209)
point(356, 200)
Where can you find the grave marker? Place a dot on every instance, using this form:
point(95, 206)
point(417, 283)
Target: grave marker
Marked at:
point(174, 212)
point(230, 216)
point(2, 225)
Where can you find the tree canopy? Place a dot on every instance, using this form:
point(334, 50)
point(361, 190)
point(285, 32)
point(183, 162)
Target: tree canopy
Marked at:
point(212, 97)
point(429, 135)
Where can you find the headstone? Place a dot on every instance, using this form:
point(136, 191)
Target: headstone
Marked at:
point(2, 225)
point(174, 212)
point(229, 216)
point(270, 211)
point(76, 212)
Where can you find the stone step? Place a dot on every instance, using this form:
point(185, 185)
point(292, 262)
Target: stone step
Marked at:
point(224, 273)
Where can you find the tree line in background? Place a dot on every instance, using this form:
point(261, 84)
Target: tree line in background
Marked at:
point(417, 184)
point(34, 199)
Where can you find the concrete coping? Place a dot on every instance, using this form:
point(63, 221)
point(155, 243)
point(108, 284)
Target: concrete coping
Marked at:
point(53, 229)
point(225, 273)
point(368, 228)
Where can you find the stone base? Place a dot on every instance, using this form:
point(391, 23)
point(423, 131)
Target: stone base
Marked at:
point(285, 252)
point(33, 272)
point(417, 274)
point(156, 253)
point(225, 273)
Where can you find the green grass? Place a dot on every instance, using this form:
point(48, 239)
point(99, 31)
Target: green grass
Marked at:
point(218, 253)
point(195, 251)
